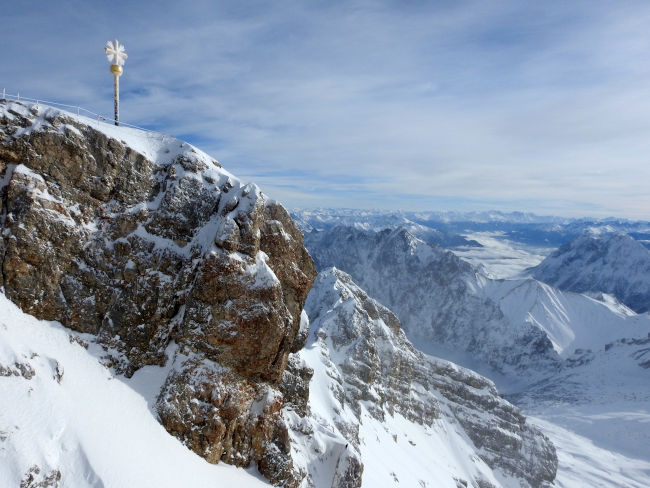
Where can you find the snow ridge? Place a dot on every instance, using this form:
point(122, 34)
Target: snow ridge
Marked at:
point(413, 419)
point(601, 261)
point(450, 309)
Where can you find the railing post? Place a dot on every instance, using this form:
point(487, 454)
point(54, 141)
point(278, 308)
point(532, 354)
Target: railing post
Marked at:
point(100, 117)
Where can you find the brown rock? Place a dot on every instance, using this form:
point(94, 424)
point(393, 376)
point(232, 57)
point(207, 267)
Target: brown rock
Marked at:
point(224, 417)
point(141, 253)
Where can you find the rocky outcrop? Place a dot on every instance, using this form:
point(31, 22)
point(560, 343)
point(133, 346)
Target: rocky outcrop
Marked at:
point(444, 303)
point(224, 417)
point(167, 259)
point(599, 261)
point(143, 241)
point(368, 373)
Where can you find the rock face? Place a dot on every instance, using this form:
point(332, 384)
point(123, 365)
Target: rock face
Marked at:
point(372, 393)
point(167, 259)
point(521, 328)
point(145, 241)
point(440, 299)
point(601, 262)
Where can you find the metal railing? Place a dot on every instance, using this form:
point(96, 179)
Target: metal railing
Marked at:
point(79, 111)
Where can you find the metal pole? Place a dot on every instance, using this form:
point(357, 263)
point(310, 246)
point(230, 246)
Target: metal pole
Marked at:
point(116, 55)
point(116, 77)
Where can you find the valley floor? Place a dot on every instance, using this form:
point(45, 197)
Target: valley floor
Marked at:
point(605, 443)
point(584, 464)
point(499, 257)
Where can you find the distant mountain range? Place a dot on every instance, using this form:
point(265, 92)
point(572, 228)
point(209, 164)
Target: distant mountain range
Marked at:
point(450, 228)
point(377, 221)
point(449, 308)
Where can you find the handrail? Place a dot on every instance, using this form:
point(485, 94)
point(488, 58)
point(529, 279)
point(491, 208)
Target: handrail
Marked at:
point(79, 110)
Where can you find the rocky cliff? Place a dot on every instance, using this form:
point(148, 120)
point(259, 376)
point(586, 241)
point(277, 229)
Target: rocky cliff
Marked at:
point(412, 419)
point(145, 246)
point(440, 299)
point(144, 241)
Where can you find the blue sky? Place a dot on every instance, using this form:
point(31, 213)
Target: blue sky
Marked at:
point(414, 105)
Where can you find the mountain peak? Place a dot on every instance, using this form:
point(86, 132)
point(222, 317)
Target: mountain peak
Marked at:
point(143, 240)
point(389, 392)
point(601, 260)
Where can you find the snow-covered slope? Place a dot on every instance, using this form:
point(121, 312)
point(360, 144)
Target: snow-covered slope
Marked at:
point(450, 309)
point(411, 419)
point(144, 241)
point(617, 373)
point(571, 321)
point(67, 421)
point(582, 462)
point(613, 263)
point(597, 411)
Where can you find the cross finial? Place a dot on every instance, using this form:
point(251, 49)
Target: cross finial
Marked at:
point(116, 56)
point(115, 52)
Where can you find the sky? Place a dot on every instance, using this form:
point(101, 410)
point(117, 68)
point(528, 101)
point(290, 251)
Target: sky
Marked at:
point(459, 105)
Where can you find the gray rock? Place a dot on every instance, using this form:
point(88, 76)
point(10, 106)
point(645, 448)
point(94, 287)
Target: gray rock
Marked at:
point(380, 371)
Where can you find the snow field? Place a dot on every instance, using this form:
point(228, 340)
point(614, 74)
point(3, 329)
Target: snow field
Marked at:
point(583, 464)
point(75, 417)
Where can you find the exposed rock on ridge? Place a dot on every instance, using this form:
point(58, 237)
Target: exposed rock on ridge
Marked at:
point(144, 242)
point(601, 262)
point(440, 299)
point(368, 374)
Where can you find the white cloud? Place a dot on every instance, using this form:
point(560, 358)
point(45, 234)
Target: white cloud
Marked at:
point(485, 103)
